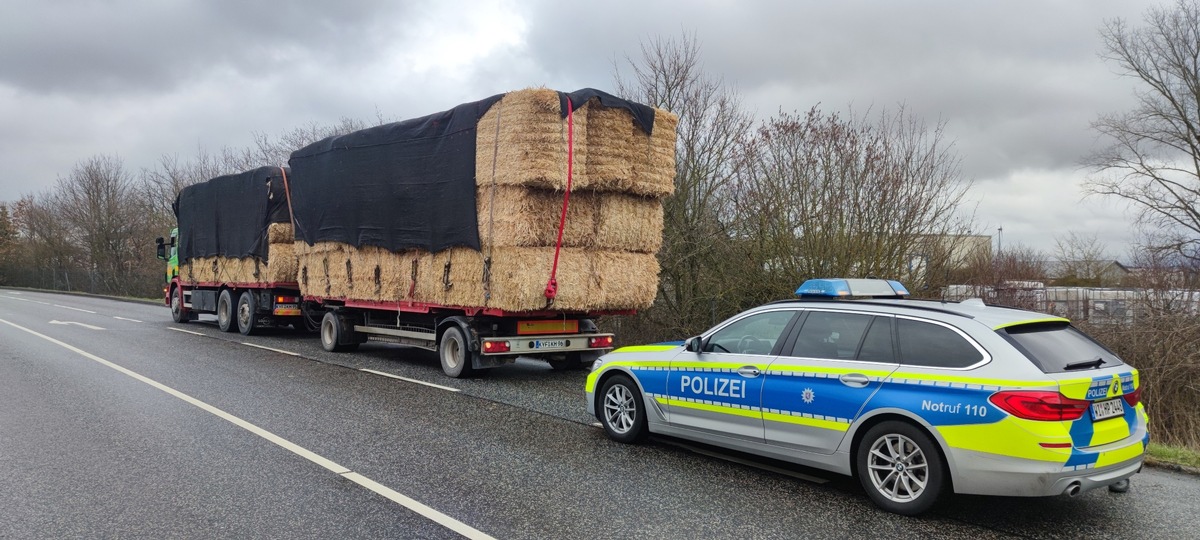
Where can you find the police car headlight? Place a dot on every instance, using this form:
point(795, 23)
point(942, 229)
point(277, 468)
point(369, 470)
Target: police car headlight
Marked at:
point(596, 364)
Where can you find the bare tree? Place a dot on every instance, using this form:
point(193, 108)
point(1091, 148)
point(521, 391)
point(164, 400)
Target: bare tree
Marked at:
point(696, 256)
point(823, 195)
point(1153, 161)
point(1081, 260)
point(8, 242)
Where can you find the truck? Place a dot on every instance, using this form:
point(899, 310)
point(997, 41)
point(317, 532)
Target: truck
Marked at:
point(401, 235)
point(228, 270)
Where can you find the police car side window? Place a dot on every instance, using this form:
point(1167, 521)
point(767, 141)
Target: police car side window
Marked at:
point(755, 334)
point(932, 345)
point(877, 347)
point(831, 335)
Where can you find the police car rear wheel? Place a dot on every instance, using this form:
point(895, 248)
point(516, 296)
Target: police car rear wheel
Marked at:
point(621, 410)
point(900, 468)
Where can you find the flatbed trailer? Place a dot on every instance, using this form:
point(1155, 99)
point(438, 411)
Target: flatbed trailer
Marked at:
point(243, 306)
point(467, 339)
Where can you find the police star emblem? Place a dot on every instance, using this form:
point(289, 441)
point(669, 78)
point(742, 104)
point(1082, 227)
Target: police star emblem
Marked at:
point(808, 396)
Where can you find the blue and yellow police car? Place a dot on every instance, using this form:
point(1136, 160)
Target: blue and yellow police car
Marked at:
point(915, 398)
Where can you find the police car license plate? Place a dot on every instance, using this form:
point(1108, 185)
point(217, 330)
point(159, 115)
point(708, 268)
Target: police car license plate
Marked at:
point(549, 343)
point(1102, 410)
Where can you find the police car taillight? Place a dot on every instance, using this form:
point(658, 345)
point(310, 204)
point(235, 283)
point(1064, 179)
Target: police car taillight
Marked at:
point(1039, 405)
point(1133, 398)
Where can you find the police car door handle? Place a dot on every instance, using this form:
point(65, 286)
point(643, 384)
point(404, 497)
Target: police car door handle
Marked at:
point(749, 371)
point(855, 380)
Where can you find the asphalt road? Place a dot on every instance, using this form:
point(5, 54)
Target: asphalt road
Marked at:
point(116, 422)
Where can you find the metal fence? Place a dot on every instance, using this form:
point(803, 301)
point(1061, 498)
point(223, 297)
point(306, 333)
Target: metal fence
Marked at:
point(1091, 304)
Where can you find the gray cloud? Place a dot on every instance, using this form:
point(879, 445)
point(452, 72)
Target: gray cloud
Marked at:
point(1017, 83)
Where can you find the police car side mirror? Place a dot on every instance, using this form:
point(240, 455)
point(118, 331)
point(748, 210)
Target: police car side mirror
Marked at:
point(693, 344)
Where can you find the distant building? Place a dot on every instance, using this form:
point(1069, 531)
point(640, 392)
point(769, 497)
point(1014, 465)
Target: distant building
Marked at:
point(1095, 272)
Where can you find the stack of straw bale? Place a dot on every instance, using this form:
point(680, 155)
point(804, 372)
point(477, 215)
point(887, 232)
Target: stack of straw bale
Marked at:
point(280, 266)
point(613, 227)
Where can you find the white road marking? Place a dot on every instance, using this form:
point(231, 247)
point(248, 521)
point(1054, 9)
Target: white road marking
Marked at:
point(280, 351)
point(27, 300)
point(380, 489)
point(74, 308)
point(124, 319)
point(406, 379)
point(596, 424)
point(186, 331)
point(77, 324)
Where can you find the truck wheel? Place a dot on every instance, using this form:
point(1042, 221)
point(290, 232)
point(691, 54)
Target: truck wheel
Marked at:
point(900, 468)
point(179, 313)
point(332, 333)
point(225, 311)
point(453, 351)
point(247, 313)
point(621, 410)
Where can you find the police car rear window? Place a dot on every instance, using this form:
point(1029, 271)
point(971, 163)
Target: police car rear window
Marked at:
point(931, 345)
point(1058, 347)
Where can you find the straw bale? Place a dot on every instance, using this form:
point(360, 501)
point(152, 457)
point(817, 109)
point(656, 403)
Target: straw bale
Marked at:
point(281, 265)
point(531, 149)
point(279, 233)
point(626, 280)
point(610, 137)
point(653, 157)
point(527, 217)
point(316, 263)
point(628, 223)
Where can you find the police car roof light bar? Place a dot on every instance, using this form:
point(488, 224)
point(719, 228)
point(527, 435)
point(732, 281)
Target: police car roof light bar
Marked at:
point(844, 288)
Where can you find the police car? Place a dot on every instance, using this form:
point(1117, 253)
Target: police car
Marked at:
point(916, 398)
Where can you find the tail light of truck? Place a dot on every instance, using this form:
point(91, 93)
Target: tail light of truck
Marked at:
point(600, 342)
point(1039, 405)
point(287, 299)
point(497, 346)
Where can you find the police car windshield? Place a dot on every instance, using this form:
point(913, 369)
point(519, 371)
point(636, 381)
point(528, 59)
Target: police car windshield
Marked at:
point(1057, 347)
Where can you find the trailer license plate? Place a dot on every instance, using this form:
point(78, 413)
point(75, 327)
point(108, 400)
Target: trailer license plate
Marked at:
point(549, 343)
point(1102, 410)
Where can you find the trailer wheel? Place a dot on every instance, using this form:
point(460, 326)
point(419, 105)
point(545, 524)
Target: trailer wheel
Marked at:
point(453, 351)
point(225, 311)
point(247, 313)
point(179, 313)
point(332, 334)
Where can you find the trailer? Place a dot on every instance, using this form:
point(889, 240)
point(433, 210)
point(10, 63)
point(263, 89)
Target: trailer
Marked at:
point(465, 339)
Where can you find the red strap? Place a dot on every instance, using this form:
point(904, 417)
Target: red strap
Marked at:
point(552, 285)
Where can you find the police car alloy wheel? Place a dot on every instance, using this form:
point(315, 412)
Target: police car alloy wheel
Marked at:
point(900, 468)
point(621, 410)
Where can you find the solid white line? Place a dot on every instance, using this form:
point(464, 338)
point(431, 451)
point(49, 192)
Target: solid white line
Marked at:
point(27, 300)
point(185, 331)
point(74, 308)
point(280, 351)
point(425, 511)
point(124, 319)
point(406, 379)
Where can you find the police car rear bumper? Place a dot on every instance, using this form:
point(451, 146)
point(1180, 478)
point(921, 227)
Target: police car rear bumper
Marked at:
point(990, 474)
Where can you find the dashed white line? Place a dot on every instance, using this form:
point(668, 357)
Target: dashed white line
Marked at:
point(186, 331)
point(380, 489)
point(272, 349)
point(124, 319)
point(406, 379)
point(74, 308)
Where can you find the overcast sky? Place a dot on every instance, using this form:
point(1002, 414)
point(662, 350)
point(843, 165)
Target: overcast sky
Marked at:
point(1017, 82)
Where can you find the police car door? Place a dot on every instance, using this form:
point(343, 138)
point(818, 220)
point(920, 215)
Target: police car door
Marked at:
point(717, 389)
point(819, 383)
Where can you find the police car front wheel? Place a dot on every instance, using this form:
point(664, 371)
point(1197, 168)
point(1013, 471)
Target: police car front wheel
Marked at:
point(900, 468)
point(622, 411)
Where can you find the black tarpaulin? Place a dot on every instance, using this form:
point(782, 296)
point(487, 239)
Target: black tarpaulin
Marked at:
point(405, 185)
point(228, 216)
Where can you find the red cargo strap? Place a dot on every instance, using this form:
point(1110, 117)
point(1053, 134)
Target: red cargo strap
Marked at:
point(552, 285)
point(288, 191)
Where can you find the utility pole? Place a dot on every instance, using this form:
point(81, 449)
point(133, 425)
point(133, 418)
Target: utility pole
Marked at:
point(999, 239)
